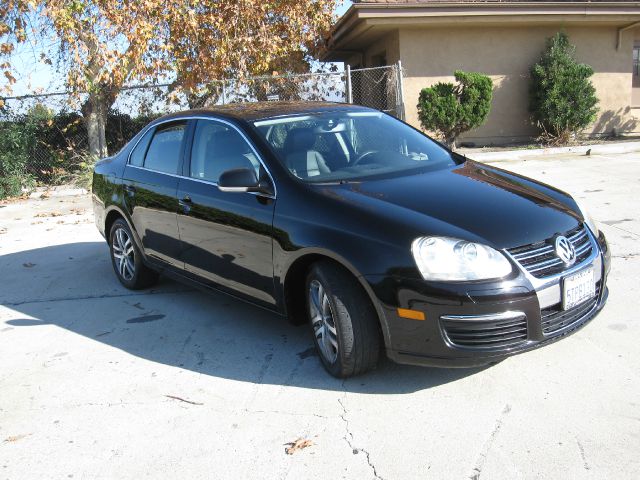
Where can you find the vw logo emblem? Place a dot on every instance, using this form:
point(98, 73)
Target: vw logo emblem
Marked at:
point(565, 250)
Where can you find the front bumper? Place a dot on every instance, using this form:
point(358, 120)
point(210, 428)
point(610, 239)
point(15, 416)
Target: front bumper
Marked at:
point(525, 311)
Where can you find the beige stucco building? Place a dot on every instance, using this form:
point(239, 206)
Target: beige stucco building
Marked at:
point(432, 38)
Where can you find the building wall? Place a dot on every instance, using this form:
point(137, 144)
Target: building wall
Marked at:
point(430, 55)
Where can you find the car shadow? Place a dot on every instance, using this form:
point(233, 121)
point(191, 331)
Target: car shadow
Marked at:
point(73, 286)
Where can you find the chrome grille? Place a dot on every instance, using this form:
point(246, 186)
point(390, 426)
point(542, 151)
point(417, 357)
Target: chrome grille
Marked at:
point(540, 259)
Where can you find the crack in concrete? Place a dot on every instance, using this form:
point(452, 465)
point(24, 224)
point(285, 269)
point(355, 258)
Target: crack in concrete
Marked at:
point(91, 297)
point(582, 455)
point(349, 439)
point(626, 255)
point(486, 448)
point(279, 412)
point(626, 231)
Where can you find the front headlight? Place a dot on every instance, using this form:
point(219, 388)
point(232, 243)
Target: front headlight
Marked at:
point(452, 260)
point(588, 219)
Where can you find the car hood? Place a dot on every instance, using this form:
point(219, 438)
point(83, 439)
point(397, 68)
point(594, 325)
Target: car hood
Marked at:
point(471, 201)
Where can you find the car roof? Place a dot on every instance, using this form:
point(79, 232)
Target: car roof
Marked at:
point(262, 110)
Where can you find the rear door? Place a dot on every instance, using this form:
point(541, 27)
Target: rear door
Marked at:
point(150, 182)
point(226, 237)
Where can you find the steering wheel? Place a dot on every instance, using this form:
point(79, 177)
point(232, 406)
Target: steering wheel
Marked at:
point(362, 157)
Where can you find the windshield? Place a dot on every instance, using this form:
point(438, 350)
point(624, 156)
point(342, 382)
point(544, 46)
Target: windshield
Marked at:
point(345, 146)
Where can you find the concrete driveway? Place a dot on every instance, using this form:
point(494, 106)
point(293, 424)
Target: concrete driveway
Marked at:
point(99, 382)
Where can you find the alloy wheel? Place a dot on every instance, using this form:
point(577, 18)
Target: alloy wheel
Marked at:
point(124, 254)
point(323, 321)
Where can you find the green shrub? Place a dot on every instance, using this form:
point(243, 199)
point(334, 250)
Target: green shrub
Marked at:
point(450, 110)
point(16, 141)
point(83, 177)
point(562, 98)
point(52, 149)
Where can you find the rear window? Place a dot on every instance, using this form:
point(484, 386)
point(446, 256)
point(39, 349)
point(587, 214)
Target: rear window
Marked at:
point(138, 153)
point(165, 149)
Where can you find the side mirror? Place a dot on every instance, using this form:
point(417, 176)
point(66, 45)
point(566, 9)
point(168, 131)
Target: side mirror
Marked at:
point(242, 180)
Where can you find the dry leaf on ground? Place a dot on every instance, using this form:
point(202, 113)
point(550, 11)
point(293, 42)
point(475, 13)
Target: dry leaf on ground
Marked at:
point(28, 265)
point(299, 444)
point(49, 214)
point(15, 438)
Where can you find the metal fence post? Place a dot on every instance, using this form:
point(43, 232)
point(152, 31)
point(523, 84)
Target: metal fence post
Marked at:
point(400, 92)
point(349, 92)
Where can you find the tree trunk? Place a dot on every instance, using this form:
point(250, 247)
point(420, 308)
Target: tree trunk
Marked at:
point(94, 112)
point(450, 141)
point(204, 99)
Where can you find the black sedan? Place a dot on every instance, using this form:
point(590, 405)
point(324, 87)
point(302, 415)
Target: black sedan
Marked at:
point(359, 225)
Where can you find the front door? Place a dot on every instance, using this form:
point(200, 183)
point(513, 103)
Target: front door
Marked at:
point(150, 183)
point(226, 237)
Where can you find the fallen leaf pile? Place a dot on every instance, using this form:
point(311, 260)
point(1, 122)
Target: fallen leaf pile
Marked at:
point(299, 444)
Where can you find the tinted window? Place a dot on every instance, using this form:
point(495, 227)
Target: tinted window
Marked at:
point(137, 155)
point(337, 146)
point(217, 148)
point(163, 154)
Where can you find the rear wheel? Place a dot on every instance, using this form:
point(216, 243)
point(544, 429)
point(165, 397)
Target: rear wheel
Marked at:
point(127, 260)
point(343, 321)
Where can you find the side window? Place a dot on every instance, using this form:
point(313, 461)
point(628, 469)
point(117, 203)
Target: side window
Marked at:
point(137, 155)
point(163, 154)
point(217, 148)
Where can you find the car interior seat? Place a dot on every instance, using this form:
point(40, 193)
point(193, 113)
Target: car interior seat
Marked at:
point(301, 159)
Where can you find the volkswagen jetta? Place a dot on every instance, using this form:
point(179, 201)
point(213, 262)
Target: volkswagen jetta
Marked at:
point(343, 217)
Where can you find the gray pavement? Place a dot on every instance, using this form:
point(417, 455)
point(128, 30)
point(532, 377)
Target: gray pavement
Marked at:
point(98, 382)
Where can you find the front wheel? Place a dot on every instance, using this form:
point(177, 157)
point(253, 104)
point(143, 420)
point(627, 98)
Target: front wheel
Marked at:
point(127, 260)
point(343, 321)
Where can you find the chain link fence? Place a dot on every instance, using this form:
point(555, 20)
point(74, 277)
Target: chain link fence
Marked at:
point(44, 141)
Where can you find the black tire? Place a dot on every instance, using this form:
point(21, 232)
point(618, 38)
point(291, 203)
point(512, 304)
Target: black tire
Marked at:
point(354, 318)
point(142, 276)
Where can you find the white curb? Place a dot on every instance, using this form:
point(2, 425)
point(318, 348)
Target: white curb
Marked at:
point(598, 149)
point(58, 191)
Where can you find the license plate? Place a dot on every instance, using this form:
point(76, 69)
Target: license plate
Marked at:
point(578, 288)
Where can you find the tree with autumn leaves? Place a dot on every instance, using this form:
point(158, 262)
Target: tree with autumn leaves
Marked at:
point(102, 45)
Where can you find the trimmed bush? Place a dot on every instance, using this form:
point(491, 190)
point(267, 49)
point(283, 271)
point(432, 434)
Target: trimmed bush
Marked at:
point(450, 110)
point(562, 98)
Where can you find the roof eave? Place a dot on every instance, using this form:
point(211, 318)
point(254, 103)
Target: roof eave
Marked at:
point(359, 14)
